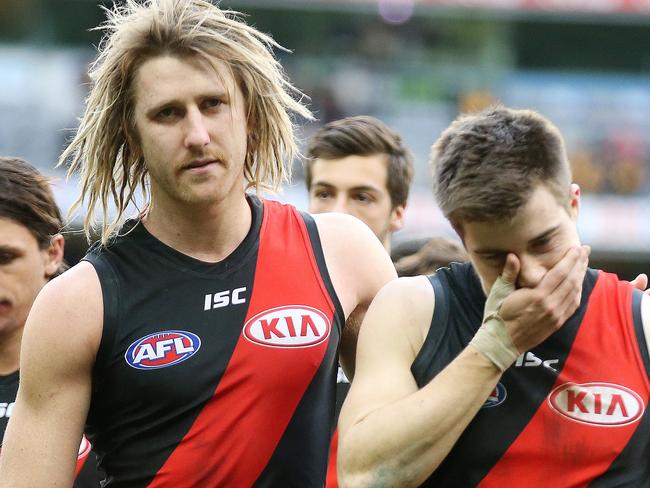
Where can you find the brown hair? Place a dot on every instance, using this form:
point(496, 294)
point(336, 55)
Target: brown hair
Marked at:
point(26, 198)
point(486, 165)
point(105, 149)
point(364, 136)
point(436, 253)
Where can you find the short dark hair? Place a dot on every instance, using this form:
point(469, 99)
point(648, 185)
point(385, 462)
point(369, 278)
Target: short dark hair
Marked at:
point(436, 253)
point(486, 165)
point(26, 197)
point(364, 136)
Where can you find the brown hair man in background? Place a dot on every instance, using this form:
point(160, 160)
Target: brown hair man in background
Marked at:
point(31, 254)
point(360, 166)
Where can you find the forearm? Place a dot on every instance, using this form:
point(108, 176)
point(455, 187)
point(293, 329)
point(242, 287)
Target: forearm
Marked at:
point(38, 455)
point(402, 443)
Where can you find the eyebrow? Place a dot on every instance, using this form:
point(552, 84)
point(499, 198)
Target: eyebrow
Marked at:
point(354, 188)
point(535, 240)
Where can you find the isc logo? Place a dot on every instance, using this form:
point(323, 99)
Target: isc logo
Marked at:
point(224, 298)
point(597, 403)
point(162, 349)
point(289, 326)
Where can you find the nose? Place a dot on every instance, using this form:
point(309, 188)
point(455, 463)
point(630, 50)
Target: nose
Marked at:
point(531, 272)
point(340, 205)
point(196, 132)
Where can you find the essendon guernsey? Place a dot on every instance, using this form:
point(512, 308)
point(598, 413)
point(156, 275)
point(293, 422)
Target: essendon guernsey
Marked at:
point(216, 374)
point(572, 412)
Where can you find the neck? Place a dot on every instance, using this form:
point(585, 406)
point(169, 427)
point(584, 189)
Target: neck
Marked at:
point(208, 232)
point(10, 351)
point(386, 241)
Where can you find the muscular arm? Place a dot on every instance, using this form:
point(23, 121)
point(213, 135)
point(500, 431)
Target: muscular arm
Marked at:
point(359, 266)
point(58, 350)
point(391, 433)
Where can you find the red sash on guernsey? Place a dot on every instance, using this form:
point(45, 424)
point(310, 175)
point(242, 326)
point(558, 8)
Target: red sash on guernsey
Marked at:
point(594, 407)
point(332, 480)
point(236, 433)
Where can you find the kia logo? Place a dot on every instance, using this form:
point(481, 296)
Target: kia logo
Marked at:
point(288, 326)
point(604, 404)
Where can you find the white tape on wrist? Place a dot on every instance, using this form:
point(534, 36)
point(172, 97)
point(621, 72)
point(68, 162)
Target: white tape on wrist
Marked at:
point(492, 339)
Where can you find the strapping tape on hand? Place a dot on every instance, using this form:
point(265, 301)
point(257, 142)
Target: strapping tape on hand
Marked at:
point(492, 339)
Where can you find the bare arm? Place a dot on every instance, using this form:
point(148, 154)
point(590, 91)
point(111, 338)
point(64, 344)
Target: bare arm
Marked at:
point(58, 350)
point(391, 433)
point(645, 317)
point(359, 266)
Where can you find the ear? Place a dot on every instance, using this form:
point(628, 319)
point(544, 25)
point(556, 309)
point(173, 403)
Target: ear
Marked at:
point(397, 218)
point(574, 201)
point(54, 255)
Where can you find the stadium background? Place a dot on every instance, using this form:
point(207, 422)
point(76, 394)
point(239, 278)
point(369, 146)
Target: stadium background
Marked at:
point(413, 63)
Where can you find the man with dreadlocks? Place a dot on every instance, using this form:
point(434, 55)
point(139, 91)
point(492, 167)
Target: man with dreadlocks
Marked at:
point(198, 341)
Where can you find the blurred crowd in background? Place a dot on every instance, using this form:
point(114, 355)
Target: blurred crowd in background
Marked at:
point(585, 64)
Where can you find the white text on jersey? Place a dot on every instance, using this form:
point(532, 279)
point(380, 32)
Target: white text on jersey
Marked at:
point(224, 298)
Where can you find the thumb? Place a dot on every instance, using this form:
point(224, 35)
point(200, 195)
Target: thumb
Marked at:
point(511, 269)
point(640, 282)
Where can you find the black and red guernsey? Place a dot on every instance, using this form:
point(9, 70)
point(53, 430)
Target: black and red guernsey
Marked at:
point(569, 413)
point(216, 374)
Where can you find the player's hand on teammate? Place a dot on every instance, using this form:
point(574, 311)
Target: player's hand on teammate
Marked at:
point(532, 314)
point(641, 283)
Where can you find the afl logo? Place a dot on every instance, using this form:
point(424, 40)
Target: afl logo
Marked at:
point(289, 326)
point(497, 397)
point(162, 349)
point(603, 404)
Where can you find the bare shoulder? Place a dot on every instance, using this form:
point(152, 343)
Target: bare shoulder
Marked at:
point(357, 262)
point(409, 303)
point(67, 315)
point(344, 233)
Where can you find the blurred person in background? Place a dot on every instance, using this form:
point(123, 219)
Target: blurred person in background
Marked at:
point(545, 382)
point(197, 341)
point(360, 166)
point(31, 254)
point(436, 253)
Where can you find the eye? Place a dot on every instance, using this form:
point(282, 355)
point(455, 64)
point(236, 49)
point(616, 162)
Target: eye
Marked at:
point(7, 257)
point(167, 113)
point(211, 103)
point(543, 245)
point(363, 197)
point(493, 259)
point(323, 194)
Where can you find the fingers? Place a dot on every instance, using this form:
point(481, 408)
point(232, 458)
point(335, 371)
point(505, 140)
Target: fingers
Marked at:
point(573, 261)
point(565, 299)
point(511, 269)
point(640, 282)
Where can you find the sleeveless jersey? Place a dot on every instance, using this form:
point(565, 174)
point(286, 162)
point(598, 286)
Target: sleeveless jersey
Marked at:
point(8, 391)
point(568, 413)
point(216, 374)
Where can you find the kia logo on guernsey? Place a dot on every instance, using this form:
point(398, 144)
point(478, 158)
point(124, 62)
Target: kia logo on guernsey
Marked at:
point(288, 326)
point(162, 349)
point(497, 397)
point(603, 404)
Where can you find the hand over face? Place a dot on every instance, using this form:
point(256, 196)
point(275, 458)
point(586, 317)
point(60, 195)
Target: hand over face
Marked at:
point(532, 314)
